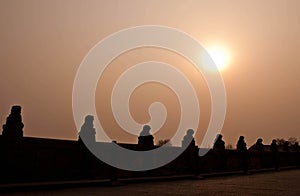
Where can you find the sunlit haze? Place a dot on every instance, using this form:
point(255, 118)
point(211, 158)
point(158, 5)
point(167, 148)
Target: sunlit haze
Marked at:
point(255, 44)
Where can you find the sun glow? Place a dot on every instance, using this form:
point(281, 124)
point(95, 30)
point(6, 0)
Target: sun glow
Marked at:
point(220, 56)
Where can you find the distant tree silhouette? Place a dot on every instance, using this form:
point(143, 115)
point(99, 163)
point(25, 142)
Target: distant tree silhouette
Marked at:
point(293, 140)
point(287, 144)
point(164, 142)
point(229, 147)
point(280, 141)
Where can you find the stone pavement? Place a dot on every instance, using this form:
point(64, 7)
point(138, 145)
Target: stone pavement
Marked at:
point(271, 183)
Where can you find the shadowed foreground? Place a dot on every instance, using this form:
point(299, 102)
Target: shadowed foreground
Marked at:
point(276, 183)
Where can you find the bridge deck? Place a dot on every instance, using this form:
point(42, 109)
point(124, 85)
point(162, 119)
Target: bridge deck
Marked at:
point(272, 183)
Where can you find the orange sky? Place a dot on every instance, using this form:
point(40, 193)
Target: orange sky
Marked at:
point(44, 42)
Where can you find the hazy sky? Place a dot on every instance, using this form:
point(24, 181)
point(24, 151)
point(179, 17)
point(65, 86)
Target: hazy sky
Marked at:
point(44, 42)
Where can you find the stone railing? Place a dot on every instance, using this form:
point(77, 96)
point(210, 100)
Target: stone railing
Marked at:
point(36, 159)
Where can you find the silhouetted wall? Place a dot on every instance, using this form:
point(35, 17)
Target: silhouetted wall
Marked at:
point(37, 159)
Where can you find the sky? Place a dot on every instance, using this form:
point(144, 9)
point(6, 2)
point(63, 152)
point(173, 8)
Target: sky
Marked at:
point(44, 42)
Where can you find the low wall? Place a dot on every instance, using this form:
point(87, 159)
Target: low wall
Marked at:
point(37, 159)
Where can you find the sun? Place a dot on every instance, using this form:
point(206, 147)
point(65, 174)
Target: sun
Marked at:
point(220, 56)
